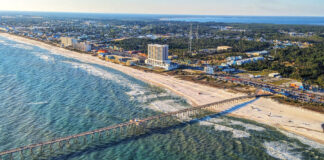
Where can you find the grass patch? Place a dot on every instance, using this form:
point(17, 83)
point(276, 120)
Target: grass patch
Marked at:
point(265, 72)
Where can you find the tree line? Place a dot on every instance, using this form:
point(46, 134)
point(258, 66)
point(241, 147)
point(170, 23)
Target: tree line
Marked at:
point(305, 64)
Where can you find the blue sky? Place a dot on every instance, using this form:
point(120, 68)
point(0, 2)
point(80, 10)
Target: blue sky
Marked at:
point(200, 7)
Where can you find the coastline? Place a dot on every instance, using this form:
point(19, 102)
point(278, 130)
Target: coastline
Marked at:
point(290, 118)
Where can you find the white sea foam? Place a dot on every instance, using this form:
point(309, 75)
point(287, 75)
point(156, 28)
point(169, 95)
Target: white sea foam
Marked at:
point(136, 92)
point(37, 103)
point(216, 120)
point(17, 45)
point(281, 150)
point(44, 56)
point(145, 96)
point(143, 99)
point(165, 106)
point(247, 126)
point(4, 43)
point(236, 133)
point(135, 89)
point(206, 123)
point(22, 46)
point(304, 140)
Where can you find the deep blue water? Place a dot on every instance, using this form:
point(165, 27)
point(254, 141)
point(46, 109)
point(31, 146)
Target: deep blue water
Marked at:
point(45, 96)
point(301, 20)
point(251, 19)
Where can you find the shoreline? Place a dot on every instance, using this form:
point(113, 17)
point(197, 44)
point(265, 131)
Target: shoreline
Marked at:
point(266, 111)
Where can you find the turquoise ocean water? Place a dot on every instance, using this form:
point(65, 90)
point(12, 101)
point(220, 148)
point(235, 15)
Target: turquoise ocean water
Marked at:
point(44, 96)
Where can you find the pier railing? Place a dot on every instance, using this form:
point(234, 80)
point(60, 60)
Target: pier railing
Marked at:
point(123, 129)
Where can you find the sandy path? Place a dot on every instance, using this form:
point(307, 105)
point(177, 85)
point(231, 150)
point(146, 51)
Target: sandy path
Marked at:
point(302, 122)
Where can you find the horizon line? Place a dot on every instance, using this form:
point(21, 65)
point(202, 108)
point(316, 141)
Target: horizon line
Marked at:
point(161, 14)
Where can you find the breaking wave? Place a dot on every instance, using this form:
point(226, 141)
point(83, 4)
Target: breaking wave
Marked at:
point(282, 150)
point(305, 141)
point(236, 133)
point(247, 126)
point(165, 106)
point(136, 92)
point(135, 89)
point(22, 46)
point(44, 57)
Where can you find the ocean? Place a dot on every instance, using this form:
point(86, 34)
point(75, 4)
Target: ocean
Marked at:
point(294, 20)
point(45, 95)
point(250, 19)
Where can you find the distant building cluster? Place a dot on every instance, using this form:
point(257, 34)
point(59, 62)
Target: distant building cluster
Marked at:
point(128, 61)
point(287, 43)
point(238, 61)
point(234, 58)
point(215, 50)
point(257, 53)
point(209, 69)
point(296, 34)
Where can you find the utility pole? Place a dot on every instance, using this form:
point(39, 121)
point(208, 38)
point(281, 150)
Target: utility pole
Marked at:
point(190, 39)
point(197, 38)
point(275, 50)
point(197, 33)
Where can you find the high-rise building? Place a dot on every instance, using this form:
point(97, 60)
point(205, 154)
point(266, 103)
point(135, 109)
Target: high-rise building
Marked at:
point(68, 41)
point(82, 46)
point(158, 56)
point(158, 53)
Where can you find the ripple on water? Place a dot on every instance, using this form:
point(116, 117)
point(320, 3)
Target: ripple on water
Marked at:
point(37, 103)
point(5, 76)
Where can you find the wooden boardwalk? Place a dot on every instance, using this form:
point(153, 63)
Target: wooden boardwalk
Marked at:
point(181, 114)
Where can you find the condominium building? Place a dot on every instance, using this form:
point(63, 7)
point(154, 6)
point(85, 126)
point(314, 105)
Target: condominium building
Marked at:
point(158, 57)
point(158, 54)
point(67, 41)
point(82, 46)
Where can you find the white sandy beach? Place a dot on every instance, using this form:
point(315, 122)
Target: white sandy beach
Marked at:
point(293, 119)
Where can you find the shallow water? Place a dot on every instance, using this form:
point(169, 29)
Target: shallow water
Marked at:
point(45, 96)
